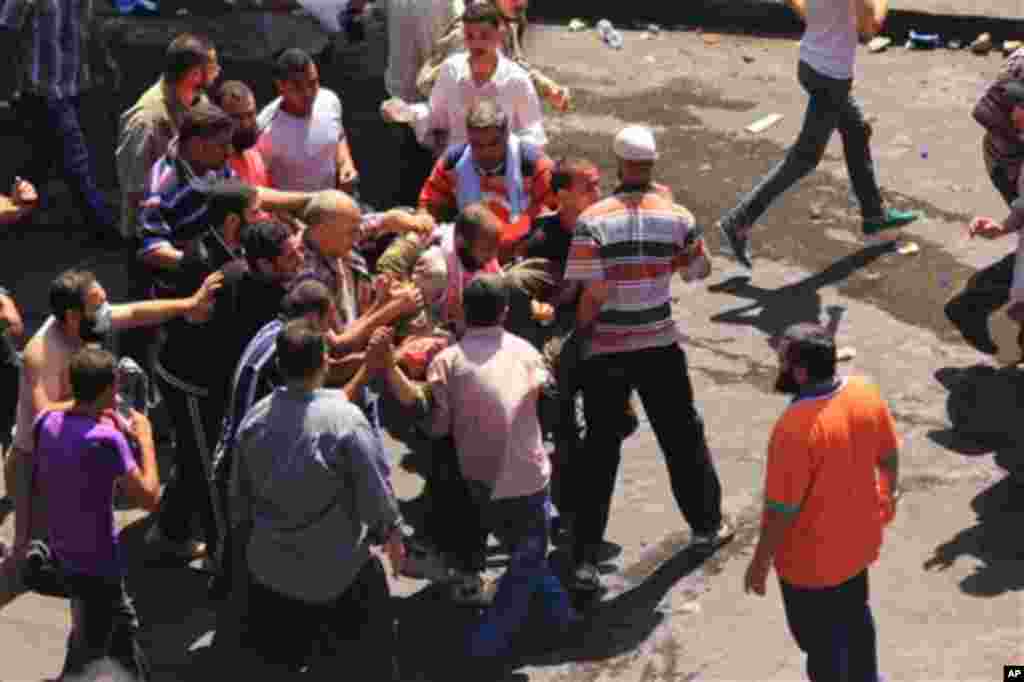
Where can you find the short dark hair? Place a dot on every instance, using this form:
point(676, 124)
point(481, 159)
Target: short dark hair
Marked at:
point(93, 371)
point(485, 299)
point(486, 113)
point(264, 239)
point(233, 91)
point(472, 220)
point(67, 291)
point(812, 347)
point(566, 170)
point(225, 197)
point(308, 296)
point(185, 53)
point(291, 62)
point(205, 120)
point(300, 349)
point(483, 13)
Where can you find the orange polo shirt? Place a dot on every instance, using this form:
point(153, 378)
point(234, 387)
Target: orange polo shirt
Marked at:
point(823, 468)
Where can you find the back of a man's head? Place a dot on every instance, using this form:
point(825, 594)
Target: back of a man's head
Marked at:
point(92, 372)
point(186, 52)
point(812, 347)
point(205, 120)
point(291, 63)
point(308, 296)
point(233, 93)
point(228, 196)
point(328, 206)
point(486, 113)
point(301, 350)
point(68, 291)
point(476, 220)
point(264, 240)
point(485, 300)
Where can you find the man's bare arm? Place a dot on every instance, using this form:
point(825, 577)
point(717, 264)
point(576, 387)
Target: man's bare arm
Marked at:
point(149, 313)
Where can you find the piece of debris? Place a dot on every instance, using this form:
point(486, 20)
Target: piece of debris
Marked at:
point(954, 45)
point(879, 44)
point(653, 29)
point(924, 41)
point(611, 37)
point(650, 59)
point(764, 124)
point(846, 353)
point(982, 45)
point(908, 248)
point(577, 25)
point(705, 168)
point(711, 39)
point(816, 213)
point(747, 59)
point(690, 607)
point(924, 152)
point(1011, 46)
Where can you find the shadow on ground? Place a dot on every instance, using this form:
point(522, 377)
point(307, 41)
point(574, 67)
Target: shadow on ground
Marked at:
point(995, 541)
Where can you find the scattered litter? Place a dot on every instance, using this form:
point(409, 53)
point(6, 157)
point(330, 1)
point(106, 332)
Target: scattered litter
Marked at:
point(846, 353)
point(908, 248)
point(902, 141)
point(982, 45)
point(653, 29)
point(611, 37)
point(577, 25)
point(879, 44)
point(764, 123)
point(1011, 46)
point(690, 607)
point(650, 59)
point(748, 59)
point(924, 152)
point(705, 167)
point(924, 41)
point(954, 45)
point(711, 39)
point(816, 212)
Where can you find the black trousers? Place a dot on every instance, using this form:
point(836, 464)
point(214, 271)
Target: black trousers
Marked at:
point(661, 378)
point(283, 631)
point(197, 423)
point(454, 520)
point(107, 628)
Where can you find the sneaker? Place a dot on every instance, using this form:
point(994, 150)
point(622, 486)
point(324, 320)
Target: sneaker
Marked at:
point(713, 540)
point(471, 589)
point(423, 562)
point(891, 219)
point(737, 244)
point(189, 550)
point(586, 578)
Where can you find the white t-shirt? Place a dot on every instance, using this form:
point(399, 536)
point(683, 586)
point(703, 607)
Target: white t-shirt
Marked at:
point(456, 92)
point(301, 154)
point(829, 45)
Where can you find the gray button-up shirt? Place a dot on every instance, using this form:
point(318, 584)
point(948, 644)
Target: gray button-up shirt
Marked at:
point(312, 478)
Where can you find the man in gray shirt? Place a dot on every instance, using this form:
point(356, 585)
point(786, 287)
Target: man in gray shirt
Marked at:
point(310, 496)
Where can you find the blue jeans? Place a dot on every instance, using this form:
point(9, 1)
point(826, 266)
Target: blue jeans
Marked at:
point(522, 524)
point(52, 127)
point(834, 627)
point(831, 106)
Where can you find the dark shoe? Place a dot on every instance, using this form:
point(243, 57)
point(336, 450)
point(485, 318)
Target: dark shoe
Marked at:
point(585, 579)
point(712, 540)
point(973, 326)
point(891, 219)
point(737, 244)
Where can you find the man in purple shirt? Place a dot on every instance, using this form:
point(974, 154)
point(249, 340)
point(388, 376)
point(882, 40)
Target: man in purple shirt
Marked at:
point(81, 455)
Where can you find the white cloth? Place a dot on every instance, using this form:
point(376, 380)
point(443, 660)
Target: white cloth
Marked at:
point(414, 27)
point(467, 189)
point(829, 45)
point(326, 12)
point(456, 92)
point(301, 154)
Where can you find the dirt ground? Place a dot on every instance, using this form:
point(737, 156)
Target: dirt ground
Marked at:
point(947, 590)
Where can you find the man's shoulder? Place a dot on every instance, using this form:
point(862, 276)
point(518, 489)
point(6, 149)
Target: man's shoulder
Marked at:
point(268, 112)
point(452, 155)
point(151, 106)
point(328, 98)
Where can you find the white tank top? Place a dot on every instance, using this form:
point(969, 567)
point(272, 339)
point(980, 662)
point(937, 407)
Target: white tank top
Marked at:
point(829, 45)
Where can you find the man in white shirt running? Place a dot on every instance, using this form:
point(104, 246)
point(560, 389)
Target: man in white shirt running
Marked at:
point(303, 142)
point(827, 54)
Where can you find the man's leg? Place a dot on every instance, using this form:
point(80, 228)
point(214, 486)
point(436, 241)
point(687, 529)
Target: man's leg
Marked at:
point(862, 639)
point(76, 166)
point(29, 508)
point(856, 136)
point(606, 386)
point(680, 433)
point(820, 120)
point(279, 632)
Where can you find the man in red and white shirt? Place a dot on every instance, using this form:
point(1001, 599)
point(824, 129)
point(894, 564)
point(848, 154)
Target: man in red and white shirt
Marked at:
point(238, 102)
point(508, 175)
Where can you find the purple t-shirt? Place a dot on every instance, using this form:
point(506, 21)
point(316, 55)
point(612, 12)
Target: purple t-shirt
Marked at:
point(79, 461)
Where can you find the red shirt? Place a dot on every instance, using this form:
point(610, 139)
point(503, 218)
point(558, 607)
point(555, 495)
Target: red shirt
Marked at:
point(250, 168)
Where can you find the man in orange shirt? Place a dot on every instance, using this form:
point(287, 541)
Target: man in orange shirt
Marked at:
point(236, 99)
point(508, 175)
point(831, 486)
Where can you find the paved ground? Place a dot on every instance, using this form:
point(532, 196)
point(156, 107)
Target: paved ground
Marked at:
point(947, 590)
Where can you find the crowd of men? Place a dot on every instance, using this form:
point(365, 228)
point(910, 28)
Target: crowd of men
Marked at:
point(285, 325)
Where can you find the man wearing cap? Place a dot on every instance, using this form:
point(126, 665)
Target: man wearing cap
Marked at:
point(1001, 112)
point(624, 253)
point(509, 175)
point(827, 53)
point(831, 484)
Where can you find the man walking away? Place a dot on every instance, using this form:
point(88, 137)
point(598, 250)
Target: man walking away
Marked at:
point(825, 71)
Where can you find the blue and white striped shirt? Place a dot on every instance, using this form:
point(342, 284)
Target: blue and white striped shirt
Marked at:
point(55, 42)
